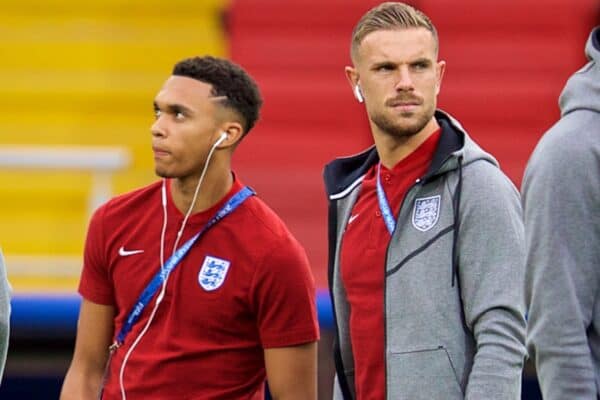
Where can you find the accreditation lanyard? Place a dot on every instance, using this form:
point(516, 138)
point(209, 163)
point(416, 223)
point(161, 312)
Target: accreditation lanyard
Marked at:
point(156, 282)
point(384, 205)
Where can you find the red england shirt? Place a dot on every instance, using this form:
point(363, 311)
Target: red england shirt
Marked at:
point(363, 255)
point(202, 344)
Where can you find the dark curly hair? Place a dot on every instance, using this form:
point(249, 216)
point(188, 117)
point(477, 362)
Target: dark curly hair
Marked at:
point(227, 79)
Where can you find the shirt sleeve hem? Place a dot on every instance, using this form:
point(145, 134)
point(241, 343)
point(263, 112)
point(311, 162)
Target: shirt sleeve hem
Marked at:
point(291, 340)
point(96, 297)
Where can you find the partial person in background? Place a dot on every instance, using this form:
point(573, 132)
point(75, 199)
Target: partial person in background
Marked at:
point(426, 235)
point(200, 287)
point(4, 314)
point(561, 200)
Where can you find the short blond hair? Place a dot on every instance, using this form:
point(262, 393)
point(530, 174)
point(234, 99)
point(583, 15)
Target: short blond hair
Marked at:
point(388, 16)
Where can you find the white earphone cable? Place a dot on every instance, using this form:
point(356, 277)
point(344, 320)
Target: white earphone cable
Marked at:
point(162, 259)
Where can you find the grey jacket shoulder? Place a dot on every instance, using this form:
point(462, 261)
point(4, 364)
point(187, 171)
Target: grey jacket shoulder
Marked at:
point(571, 146)
point(4, 314)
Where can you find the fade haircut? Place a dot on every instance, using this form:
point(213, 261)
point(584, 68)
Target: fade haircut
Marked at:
point(390, 16)
point(229, 80)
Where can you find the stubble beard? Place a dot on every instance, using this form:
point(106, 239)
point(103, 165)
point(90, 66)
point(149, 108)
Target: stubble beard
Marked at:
point(402, 130)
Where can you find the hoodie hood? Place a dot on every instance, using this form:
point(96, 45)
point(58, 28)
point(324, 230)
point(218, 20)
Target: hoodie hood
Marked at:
point(455, 146)
point(582, 91)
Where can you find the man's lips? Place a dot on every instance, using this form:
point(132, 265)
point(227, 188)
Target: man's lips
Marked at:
point(403, 102)
point(403, 105)
point(159, 152)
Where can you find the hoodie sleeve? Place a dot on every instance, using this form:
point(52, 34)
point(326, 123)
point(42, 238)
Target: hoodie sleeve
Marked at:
point(491, 270)
point(561, 192)
point(4, 314)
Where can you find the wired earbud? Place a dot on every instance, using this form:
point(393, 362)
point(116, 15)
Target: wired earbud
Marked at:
point(358, 94)
point(221, 138)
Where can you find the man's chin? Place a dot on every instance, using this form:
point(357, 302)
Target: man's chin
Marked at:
point(409, 124)
point(404, 130)
point(162, 173)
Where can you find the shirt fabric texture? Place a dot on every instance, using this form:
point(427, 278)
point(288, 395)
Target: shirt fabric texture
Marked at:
point(561, 201)
point(201, 344)
point(454, 324)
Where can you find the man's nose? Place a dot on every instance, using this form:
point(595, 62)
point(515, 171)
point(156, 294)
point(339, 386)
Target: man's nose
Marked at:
point(404, 79)
point(157, 128)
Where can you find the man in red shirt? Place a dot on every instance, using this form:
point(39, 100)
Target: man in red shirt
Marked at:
point(426, 238)
point(198, 285)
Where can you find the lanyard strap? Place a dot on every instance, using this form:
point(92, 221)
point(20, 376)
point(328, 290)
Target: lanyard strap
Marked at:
point(384, 205)
point(233, 203)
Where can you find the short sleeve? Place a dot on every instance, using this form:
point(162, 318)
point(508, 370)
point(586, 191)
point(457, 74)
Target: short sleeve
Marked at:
point(95, 284)
point(283, 297)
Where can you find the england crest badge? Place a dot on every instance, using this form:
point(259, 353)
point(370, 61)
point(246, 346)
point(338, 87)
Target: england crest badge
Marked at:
point(212, 273)
point(426, 212)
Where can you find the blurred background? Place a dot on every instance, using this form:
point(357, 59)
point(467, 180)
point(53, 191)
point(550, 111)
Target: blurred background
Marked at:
point(77, 80)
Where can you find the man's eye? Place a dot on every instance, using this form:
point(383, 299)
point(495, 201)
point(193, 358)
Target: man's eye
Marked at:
point(157, 113)
point(179, 115)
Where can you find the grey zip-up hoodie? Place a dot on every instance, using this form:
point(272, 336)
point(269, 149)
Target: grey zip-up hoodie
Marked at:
point(453, 291)
point(4, 314)
point(561, 199)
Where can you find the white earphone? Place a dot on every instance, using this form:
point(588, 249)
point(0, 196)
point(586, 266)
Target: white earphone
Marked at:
point(221, 138)
point(358, 94)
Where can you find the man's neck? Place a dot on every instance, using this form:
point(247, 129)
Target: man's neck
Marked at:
point(393, 149)
point(214, 187)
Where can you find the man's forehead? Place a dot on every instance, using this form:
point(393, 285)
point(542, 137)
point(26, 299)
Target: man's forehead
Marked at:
point(187, 92)
point(187, 85)
point(391, 43)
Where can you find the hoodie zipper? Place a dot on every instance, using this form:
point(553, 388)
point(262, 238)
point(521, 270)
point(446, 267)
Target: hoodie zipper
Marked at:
point(385, 262)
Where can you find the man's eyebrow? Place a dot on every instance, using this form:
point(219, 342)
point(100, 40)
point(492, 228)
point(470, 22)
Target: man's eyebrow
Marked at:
point(174, 107)
point(422, 60)
point(383, 64)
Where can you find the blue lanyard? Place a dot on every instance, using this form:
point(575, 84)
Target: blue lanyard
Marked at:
point(384, 205)
point(156, 282)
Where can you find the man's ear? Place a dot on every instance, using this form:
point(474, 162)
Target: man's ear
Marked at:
point(441, 68)
point(233, 132)
point(352, 76)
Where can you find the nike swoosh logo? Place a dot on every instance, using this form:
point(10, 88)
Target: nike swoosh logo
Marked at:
point(125, 253)
point(352, 218)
